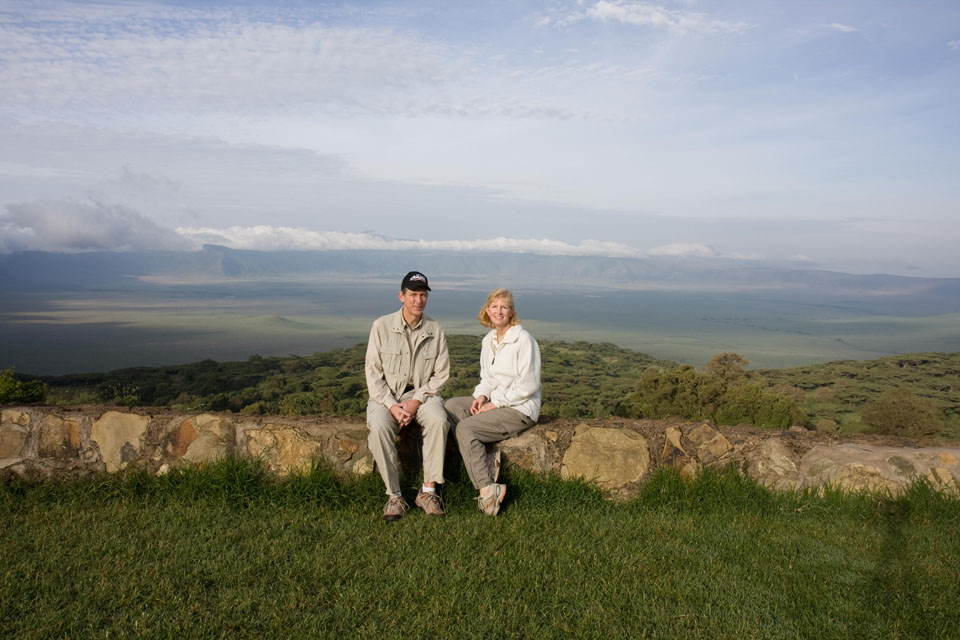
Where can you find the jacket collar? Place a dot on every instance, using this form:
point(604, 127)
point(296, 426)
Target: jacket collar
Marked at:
point(396, 323)
point(512, 334)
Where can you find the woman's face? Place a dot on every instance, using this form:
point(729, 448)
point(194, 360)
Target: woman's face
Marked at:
point(500, 313)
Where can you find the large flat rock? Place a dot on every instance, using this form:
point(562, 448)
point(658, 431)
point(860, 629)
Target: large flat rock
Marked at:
point(612, 458)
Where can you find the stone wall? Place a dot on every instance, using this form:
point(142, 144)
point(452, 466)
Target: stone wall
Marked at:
point(618, 455)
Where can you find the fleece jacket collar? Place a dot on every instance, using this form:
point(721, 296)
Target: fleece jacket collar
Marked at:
point(512, 334)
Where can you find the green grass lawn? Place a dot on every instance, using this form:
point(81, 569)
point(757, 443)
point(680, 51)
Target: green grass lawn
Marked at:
point(227, 552)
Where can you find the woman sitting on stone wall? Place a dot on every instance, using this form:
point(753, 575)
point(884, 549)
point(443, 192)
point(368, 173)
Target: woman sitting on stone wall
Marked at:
point(505, 403)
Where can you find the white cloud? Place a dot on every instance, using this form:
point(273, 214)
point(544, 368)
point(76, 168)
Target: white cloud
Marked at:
point(270, 238)
point(64, 226)
point(954, 45)
point(700, 250)
point(844, 28)
point(684, 250)
point(738, 255)
point(643, 14)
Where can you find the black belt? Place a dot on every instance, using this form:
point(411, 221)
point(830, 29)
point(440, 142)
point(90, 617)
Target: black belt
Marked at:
point(410, 387)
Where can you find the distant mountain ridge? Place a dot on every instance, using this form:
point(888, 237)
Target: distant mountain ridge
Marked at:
point(51, 271)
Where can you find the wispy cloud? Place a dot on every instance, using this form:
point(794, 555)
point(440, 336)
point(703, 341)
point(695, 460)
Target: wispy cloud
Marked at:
point(214, 60)
point(642, 14)
point(174, 64)
point(844, 28)
point(141, 181)
point(954, 45)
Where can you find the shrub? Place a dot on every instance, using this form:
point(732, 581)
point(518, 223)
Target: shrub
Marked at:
point(901, 412)
point(685, 393)
point(788, 391)
point(749, 403)
point(13, 390)
point(680, 392)
point(119, 393)
point(826, 424)
point(825, 394)
point(302, 403)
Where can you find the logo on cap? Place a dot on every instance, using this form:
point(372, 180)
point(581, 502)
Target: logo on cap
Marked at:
point(415, 280)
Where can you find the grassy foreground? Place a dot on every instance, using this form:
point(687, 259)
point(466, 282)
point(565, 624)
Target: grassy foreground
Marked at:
point(228, 552)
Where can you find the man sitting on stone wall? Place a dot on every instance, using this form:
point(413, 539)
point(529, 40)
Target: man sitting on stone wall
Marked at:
point(407, 364)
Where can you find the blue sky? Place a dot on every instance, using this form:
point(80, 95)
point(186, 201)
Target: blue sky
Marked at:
point(819, 133)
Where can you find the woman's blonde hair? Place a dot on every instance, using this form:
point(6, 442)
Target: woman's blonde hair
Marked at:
point(507, 295)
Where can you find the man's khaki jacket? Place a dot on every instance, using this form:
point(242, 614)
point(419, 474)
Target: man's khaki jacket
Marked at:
point(387, 365)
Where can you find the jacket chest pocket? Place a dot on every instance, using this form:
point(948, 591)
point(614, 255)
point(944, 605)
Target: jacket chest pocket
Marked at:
point(391, 358)
point(426, 357)
point(426, 366)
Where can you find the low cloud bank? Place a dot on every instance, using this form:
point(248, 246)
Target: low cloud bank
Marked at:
point(698, 250)
point(684, 250)
point(269, 238)
point(78, 227)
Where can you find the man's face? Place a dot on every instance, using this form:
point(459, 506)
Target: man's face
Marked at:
point(414, 302)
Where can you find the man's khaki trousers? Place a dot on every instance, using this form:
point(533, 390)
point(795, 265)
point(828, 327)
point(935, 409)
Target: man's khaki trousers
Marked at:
point(383, 440)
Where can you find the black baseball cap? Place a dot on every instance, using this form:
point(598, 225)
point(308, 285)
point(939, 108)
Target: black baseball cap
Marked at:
point(414, 281)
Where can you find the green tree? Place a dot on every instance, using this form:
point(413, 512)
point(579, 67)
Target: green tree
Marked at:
point(729, 366)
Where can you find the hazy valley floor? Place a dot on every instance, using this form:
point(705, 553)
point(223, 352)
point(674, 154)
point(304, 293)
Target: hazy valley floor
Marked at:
point(153, 324)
